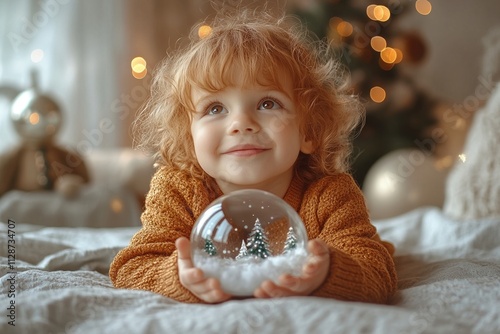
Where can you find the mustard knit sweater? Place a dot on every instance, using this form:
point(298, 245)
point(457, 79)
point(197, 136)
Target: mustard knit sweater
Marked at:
point(332, 209)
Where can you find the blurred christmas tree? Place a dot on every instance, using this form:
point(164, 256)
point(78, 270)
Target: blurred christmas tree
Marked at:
point(368, 41)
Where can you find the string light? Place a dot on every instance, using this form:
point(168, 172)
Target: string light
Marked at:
point(139, 67)
point(378, 43)
point(37, 55)
point(138, 64)
point(116, 205)
point(377, 94)
point(345, 29)
point(204, 31)
point(388, 55)
point(423, 7)
point(381, 13)
point(34, 118)
point(370, 12)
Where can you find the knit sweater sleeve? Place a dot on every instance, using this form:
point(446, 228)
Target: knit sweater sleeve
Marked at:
point(361, 266)
point(150, 261)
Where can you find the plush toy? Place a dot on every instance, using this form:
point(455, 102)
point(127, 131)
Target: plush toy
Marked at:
point(38, 163)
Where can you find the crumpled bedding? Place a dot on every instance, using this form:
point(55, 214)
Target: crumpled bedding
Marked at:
point(449, 282)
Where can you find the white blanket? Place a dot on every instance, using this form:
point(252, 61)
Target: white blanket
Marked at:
point(449, 282)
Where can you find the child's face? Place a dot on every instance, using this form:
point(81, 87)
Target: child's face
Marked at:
point(247, 137)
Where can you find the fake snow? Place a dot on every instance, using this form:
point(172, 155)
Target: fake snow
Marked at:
point(241, 277)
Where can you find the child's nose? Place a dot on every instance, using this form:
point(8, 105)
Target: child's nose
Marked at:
point(243, 122)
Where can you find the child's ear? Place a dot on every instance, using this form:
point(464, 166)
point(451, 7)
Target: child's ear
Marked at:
point(306, 146)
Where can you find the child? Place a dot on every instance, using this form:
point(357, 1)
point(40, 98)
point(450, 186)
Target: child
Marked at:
point(252, 105)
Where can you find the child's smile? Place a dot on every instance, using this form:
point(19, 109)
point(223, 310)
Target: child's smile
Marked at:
point(245, 150)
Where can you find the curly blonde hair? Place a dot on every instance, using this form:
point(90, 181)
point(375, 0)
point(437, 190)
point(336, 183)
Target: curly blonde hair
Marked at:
point(258, 47)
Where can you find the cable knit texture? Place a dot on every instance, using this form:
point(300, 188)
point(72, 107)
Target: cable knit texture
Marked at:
point(332, 209)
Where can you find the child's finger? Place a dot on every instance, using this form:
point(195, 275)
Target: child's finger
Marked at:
point(320, 256)
point(210, 291)
point(310, 269)
point(269, 289)
point(261, 291)
point(188, 274)
point(318, 247)
point(191, 276)
point(184, 253)
point(290, 282)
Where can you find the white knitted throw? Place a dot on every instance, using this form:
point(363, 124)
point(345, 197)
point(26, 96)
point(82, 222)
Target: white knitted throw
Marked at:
point(473, 186)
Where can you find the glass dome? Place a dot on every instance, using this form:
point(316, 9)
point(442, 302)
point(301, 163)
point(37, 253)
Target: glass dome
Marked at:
point(246, 237)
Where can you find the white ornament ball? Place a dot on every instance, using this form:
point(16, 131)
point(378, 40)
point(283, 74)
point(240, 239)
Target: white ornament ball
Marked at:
point(246, 237)
point(401, 181)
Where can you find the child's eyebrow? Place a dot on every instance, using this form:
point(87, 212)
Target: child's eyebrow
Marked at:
point(277, 93)
point(202, 97)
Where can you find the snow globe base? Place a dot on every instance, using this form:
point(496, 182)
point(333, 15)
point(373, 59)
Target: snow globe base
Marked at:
point(247, 237)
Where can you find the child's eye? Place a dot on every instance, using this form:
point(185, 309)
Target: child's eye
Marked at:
point(269, 104)
point(216, 109)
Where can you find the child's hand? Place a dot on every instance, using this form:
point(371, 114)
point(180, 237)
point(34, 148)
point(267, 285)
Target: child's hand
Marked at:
point(313, 274)
point(193, 279)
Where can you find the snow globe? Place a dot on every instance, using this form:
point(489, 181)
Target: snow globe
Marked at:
point(246, 237)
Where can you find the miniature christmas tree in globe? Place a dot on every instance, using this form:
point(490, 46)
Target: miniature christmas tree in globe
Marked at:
point(247, 237)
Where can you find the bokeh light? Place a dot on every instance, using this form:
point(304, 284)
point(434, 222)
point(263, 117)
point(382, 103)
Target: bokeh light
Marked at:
point(116, 205)
point(204, 31)
point(388, 55)
point(377, 94)
point(139, 67)
point(34, 118)
point(381, 13)
point(140, 75)
point(344, 29)
point(369, 12)
point(138, 64)
point(423, 7)
point(378, 43)
point(37, 55)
